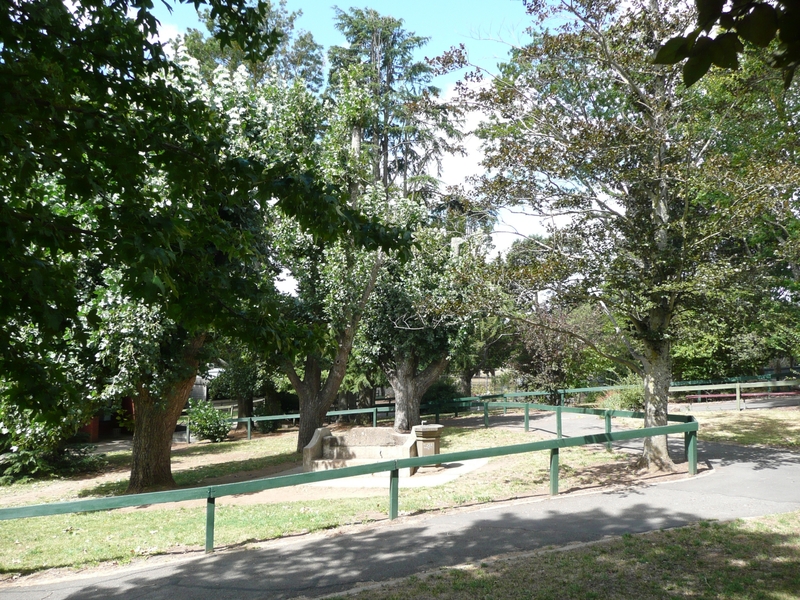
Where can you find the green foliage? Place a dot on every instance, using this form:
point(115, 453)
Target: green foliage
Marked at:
point(441, 392)
point(30, 446)
point(21, 464)
point(628, 399)
point(267, 408)
point(387, 95)
point(125, 419)
point(91, 118)
point(759, 23)
point(206, 422)
point(118, 157)
point(296, 56)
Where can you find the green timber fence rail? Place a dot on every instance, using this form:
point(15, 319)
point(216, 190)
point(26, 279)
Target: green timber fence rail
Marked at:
point(460, 405)
point(683, 424)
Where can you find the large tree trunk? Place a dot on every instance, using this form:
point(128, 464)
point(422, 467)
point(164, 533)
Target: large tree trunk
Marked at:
point(155, 420)
point(465, 382)
point(315, 397)
point(409, 386)
point(657, 378)
point(313, 403)
point(244, 409)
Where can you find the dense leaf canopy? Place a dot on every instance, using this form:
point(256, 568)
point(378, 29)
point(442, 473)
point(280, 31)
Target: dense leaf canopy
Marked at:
point(110, 158)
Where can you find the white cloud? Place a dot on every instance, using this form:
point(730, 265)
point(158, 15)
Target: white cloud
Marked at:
point(513, 223)
point(456, 168)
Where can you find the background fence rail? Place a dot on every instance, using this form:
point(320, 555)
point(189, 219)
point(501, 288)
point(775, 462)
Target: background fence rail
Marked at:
point(683, 424)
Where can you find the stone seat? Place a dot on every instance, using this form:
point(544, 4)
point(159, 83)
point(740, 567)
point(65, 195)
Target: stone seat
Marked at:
point(360, 445)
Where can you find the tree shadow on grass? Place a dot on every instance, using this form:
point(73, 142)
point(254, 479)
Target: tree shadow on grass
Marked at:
point(711, 561)
point(240, 470)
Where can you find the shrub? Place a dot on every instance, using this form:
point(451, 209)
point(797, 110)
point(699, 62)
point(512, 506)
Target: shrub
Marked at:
point(22, 465)
point(630, 399)
point(206, 422)
point(265, 409)
point(441, 392)
point(32, 449)
point(290, 402)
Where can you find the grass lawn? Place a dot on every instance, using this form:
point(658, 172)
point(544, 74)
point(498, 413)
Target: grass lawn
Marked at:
point(80, 540)
point(754, 559)
point(776, 427)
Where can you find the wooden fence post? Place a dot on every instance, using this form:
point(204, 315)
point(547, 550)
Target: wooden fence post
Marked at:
point(394, 493)
point(558, 422)
point(554, 471)
point(692, 451)
point(210, 506)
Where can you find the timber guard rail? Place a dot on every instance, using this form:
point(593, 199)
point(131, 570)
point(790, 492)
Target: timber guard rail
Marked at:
point(683, 424)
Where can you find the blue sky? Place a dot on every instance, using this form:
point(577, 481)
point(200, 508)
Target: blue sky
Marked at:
point(485, 27)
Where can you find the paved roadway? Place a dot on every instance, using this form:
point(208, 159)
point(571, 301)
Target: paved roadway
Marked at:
point(745, 482)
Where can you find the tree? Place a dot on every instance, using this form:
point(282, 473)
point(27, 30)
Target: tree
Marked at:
point(296, 55)
point(584, 126)
point(486, 347)
point(762, 24)
point(111, 158)
point(407, 129)
point(77, 144)
point(243, 377)
point(334, 285)
point(420, 312)
point(558, 343)
point(761, 147)
point(377, 132)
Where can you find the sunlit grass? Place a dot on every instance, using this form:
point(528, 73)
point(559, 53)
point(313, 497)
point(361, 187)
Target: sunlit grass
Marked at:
point(777, 428)
point(758, 559)
point(28, 545)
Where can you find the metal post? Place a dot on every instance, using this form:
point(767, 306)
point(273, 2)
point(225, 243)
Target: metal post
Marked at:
point(210, 506)
point(554, 471)
point(437, 415)
point(375, 416)
point(527, 417)
point(394, 492)
point(692, 451)
point(558, 422)
point(249, 423)
point(188, 433)
point(486, 414)
point(608, 430)
point(738, 396)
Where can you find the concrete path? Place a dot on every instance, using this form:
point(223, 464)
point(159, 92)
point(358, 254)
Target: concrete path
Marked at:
point(745, 482)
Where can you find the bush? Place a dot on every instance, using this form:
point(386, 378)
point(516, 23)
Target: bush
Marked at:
point(290, 402)
point(22, 465)
point(441, 392)
point(31, 449)
point(206, 422)
point(267, 408)
point(630, 399)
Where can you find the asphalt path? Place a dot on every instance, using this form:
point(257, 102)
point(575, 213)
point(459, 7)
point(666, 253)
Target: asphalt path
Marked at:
point(744, 482)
